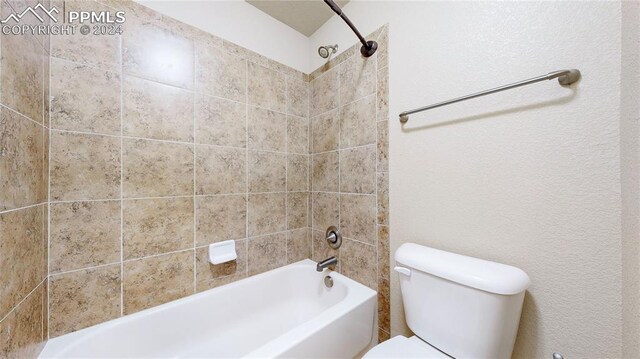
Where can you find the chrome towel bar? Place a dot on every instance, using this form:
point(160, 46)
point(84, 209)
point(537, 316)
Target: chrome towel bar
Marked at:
point(565, 78)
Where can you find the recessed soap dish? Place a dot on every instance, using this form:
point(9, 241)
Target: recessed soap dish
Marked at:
point(222, 252)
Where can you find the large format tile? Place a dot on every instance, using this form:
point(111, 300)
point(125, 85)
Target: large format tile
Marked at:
point(383, 197)
point(383, 252)
point(157, 54)
point(326, 210)
point(157, 169)
point(297, 203)
point(266, 253)
point(325, 172)
point(267, 213)
point(266, 88)
point(384, 305)
point(267, 130)
point(101, 51)
point(325, 132)
point(21, 252)
point(154, 110)
point(21, 60)
point(157, 226)
point(212, 275)
point(357, 78)
point(358, 261)
point(383, 146)
point(21, 331)
point(297, 135)
point(297, 172)
point(152, 281)
point(221, 218)
point(382, 95)
point(84, 99)
point(267, 172)
point(84, 234)
point(358, 217)
point(298, 245)
point(21, 163)
point(358, 123)
point(220, 170)
point(83, 298)
point(84, 166)
point(220, 122)
point(297, 97)
point(324, 93)
point(358, 170)
point(219, 73)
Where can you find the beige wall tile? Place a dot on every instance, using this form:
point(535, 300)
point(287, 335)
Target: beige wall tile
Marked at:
point(326, 210)
point(21, 251)
point(220, 122)
point(358, 261)
point(22, 74)
point(384, 305)
point(297, 203)
point(358, 170)
point(157, 226)
point(211, 275)
point(157, 54)
point(21, 162)
point(21, 331)
point(83, 298)
point(219, 73)
point(383, 252)
point(357, 78)
point(298, 245)
point(155, 110)
point(325, 171)
point(297, 135)
point(267, 130)
point(221, 218)
point(325, 132)
point(157, 280)
point(383, 146)
point(267, 213)
point(220, 170)
point(297, 97)
point(84, 99)
point(358, 217)
point(382, 97)
point(324, 93)
point(84, 234)
point(383, 48)
point(298, 173)
point(383, 197)
point(84, 166)
point(358, 123)
point(156, 169)
point(267, 171)
point(266, 88)
point(266, 253)
point(95, 50)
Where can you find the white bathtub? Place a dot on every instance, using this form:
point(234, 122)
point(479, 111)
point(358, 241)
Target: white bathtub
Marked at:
point(286, 312)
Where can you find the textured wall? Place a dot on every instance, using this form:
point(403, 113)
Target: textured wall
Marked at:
point(23, 190)
point(528, 177)
point(164, 140)
point(349, 166)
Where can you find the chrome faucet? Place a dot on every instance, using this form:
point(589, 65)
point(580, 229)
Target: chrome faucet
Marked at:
point(327, 263)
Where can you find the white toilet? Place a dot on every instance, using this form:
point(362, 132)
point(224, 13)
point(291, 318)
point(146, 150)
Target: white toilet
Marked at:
point(457, 306)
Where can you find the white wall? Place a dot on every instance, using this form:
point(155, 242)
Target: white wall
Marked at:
point(529, 177)
point(243, 24)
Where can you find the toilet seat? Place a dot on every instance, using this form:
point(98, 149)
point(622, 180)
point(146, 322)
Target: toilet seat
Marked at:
point(403, 347)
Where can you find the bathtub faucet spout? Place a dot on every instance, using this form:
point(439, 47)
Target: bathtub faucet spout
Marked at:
point(327, 263)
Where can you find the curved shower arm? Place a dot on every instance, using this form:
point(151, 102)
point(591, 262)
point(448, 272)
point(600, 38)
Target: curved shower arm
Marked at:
point(368, 47)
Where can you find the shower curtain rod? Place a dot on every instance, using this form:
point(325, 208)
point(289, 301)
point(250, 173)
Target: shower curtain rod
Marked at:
point(565, 78)
point(368, 47)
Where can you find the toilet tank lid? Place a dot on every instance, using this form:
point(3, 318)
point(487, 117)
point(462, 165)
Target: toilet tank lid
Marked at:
point(477, 273)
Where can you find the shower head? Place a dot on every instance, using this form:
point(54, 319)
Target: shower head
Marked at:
point(328, 50)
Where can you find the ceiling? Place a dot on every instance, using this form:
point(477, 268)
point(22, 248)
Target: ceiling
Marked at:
point(304, 16)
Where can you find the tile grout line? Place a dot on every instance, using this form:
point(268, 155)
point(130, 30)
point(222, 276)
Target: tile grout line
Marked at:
point(286, 175)
point(121, 177)
point(48, 100)
point(46, 208)
point(22, 300)
point(195, 147)
point(246, 174)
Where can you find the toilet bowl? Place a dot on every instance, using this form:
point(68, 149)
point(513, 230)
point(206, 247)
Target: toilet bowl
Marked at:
point(457, 306)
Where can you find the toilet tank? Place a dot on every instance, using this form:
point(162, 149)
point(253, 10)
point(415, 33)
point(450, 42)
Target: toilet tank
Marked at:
point(466, 307)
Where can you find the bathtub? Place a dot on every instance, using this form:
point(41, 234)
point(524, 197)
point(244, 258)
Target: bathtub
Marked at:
point(286, 312)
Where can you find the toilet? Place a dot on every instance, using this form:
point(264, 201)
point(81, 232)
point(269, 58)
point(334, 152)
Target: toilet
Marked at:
point(457, 306)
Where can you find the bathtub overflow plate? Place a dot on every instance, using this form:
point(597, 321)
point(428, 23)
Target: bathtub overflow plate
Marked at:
point(328, 281)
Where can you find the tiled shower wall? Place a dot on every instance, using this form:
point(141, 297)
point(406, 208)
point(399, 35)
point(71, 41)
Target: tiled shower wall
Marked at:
point(23, 191)
point(349, 166)
point(166, 139)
